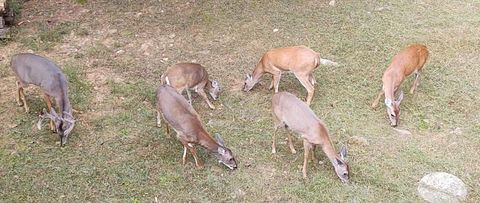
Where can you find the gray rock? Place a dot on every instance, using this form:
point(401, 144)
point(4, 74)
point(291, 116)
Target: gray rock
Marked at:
point(442, 187)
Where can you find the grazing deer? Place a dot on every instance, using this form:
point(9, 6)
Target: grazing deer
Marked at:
point(292, 113)
point(186, 76)
point(299, 60)
point(186, 122)
point(407, 61)
point(39, 71)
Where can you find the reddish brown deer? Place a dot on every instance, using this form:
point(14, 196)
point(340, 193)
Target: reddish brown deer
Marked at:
point(186, 122)
point(300, 60)
point(39, 71)
point(292, 113)
point(407, 61)
point(186, 76)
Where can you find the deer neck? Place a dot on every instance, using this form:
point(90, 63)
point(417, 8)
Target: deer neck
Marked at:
point(258, 72)
point(208, 142)
point(389, 89)
point(327, 146)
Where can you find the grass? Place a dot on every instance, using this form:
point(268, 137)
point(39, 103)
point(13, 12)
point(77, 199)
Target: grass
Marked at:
point(114, 61)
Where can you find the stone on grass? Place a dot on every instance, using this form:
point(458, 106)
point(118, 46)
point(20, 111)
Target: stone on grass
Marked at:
point(442, 187)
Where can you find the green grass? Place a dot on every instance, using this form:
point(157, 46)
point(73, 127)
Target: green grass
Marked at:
point(113, 62)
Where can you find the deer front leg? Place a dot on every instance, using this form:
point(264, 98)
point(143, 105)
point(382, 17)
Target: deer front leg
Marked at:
point(202, 93)
point(276, 80)
point(47, 100)
point(375, 102)
point(306, 148)
point(194, 153)
point(189, 96)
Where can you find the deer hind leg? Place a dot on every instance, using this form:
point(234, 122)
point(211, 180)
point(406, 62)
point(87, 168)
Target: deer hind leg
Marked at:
point(159, 119)
point(305, 81)
point(47, 100)
point(19, 99)
point(21, 96)
point(314, 160)
point(416, 82)
point(307, 147)
point(184, 157)
point(202, 93)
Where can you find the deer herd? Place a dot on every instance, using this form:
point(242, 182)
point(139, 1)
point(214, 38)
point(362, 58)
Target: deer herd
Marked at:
point(178, 113)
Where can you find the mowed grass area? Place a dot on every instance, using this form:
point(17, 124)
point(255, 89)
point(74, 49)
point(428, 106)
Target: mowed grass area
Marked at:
point(113, 53)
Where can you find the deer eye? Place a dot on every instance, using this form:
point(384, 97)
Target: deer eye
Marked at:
point(392, 115)
point(345, 174)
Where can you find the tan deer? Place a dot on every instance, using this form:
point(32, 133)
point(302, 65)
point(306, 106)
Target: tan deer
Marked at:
point(186, 76)
point(292, 113)
point(300, 60)
point(39, 71)
point(177, 112)
point(409, 60)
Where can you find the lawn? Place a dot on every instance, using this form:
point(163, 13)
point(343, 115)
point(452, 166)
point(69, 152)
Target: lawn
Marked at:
point(113, 53)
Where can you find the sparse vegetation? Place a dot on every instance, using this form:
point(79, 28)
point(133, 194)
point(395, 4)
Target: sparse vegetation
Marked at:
point(113, 53)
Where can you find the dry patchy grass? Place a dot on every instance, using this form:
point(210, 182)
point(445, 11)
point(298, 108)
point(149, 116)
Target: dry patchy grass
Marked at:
point(113, 53)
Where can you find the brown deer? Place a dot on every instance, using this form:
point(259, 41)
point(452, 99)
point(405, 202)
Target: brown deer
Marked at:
point(39, 71)
point(292, 113)
point(186, 76)
point(409, 60)
point(300, 60)
point(186, 122)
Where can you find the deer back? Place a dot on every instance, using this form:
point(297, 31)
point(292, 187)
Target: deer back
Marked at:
point(408, 60)
point(39, 71)
point(298, 59)
point(296, 114)
point(186, 75)
point(179, 114)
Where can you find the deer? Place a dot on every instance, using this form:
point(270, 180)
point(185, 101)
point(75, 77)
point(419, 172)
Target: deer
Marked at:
point(300, 60)
point(292, 113)
point(180, 115)
point(42, 72)
point(409, 60)
point(186, 76)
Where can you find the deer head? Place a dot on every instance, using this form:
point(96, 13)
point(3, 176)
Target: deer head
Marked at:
point(63, 124)
point(249, 83)
point(214, 90)
point(224, 155)
point(393, 109)
point(341, 166)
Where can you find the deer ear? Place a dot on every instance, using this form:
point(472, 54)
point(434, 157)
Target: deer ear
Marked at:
point(219, 140)
point(343, 152)
point(400, 97)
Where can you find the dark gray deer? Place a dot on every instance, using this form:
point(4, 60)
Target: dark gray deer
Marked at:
point(39, 71)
